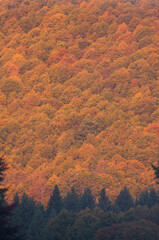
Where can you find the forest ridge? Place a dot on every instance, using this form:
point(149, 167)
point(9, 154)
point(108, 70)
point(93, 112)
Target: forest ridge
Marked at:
point(79, 95)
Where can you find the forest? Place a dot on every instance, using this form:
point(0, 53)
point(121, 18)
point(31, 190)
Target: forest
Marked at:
point(77, 217)
point(79, 96)
point(81, 217)
point(79, 119)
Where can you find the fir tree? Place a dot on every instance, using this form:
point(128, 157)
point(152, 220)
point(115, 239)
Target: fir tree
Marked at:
point(16, 200)
point(7, 230)
point(144, 198)
point(156, 169)
point(55, 202)
point(124, 200)
point(58, 227)
point(87, 200)
point(36, 230)
point(104, 202)
point(24, 213)
point(71, 201)
point(153, 198)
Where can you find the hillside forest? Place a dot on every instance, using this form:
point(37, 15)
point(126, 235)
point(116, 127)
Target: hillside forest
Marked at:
point(79, 96)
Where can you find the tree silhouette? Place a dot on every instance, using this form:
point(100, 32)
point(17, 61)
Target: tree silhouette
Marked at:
point(24, 213)
point(124, 200)
point(143, 199)
point(104, 202)
point(7, 231)
point(153, 198)
point(156, 169)
point(71, 201)
point(55, 202)
point(87, 200)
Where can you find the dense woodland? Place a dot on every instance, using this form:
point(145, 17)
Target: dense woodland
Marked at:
point(79, 96)
point(81, 217)
point(77, 217)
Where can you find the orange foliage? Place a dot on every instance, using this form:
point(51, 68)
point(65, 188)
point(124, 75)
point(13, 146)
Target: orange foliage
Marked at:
point(79, 95)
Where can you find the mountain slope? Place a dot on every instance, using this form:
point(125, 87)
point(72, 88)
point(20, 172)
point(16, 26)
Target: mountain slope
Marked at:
point(79, 95)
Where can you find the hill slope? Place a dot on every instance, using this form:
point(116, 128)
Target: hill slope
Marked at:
point(79, 94)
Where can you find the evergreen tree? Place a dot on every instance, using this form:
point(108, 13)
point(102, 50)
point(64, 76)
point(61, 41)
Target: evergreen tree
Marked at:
point(24, 213)
point(87, 200)
point(55, 202)
point(7, 230)
point(104, 202)
point(71, 201)
point(153, 198)
point(15, 217)
point(16, 200)
point(124, 200)
point(156, 169)
point(144, 198)
point(36, 230)
point(60, 224)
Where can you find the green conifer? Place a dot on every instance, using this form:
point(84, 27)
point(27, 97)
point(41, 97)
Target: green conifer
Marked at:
point(55, 202)
point(104, 202)
point(87, 200)
point(7, 230)
point(124, 200)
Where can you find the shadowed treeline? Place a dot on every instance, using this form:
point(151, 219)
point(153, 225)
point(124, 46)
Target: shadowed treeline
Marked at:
point(77, 217)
